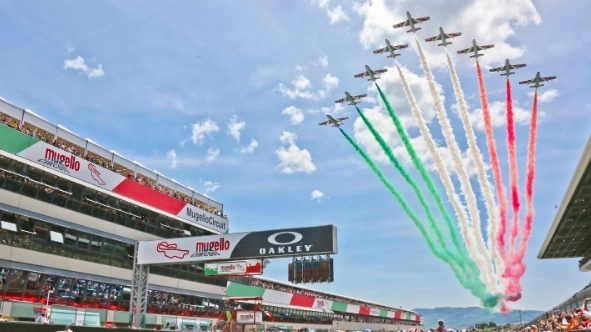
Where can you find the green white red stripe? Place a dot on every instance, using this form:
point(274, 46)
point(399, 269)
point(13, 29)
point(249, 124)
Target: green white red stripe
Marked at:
point(271, 296)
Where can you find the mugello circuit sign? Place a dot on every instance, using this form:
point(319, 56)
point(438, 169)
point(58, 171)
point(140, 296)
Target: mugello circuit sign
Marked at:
point(306, 241)
point(244, 267)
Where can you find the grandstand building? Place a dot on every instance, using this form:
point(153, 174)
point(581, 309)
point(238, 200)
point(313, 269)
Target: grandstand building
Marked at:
point(71, 214)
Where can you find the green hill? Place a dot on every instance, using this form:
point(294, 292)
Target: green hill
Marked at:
point(468, 317)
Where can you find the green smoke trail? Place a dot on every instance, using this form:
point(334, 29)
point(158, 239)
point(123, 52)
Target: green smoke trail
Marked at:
point(404, 204)
point(465, 260)
point(418, 164)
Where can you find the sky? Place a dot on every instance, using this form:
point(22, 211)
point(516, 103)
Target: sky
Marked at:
point(225, 97)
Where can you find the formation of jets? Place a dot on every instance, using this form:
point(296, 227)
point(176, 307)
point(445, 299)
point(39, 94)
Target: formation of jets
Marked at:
point(371, 73)
point(389, 48)
point(443, 37)
point(475, 49)
point(334, 122)
point(350, 99)
point(537, 80)
point(507, 68)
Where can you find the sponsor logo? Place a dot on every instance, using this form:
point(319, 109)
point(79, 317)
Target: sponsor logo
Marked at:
point(285, 243)
point(229, 268)
point(61, 162)
point(210, 249)
point(203, 218)
point(170, 250)
point(247, 317)
point(320, 303)
point(95, 174)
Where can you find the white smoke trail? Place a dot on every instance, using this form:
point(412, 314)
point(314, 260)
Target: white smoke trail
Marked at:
point(485, 185)
point(484, 263)
point(441, 169)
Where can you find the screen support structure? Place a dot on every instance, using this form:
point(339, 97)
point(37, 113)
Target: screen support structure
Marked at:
point(139, 290)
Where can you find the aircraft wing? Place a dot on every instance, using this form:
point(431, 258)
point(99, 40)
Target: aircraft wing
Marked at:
point(527, 81)
point(521, 65)
point(464, 51)
point(379, 71)
point(360, 96)
point(342, 119)
point(484, 47)
point(454, 34)
point(340, 101)
point(402, 46)
point(430, 39)
point(548, 78)
point(496, 69)
point(422, 19)
point(323, 123)
point(381, 50)
point(401, 24)
point(359, 75)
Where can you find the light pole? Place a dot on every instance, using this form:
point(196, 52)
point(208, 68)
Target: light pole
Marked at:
point(520, 320)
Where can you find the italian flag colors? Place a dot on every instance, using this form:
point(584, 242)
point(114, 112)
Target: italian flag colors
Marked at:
point(271, 296)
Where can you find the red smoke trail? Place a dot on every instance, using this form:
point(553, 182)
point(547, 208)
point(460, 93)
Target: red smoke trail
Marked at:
point(494, 159)
point(529, 179)
point(516, 269)
point(512, 167)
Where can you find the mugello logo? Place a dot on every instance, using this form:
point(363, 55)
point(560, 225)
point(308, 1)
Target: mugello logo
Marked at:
point(170, 250)
point(210, 249)
point(61, 162)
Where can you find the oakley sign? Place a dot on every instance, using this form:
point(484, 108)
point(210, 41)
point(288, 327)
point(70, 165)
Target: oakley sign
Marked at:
point(275, 243)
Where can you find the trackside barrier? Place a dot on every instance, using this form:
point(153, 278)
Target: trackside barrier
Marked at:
point(31, 327)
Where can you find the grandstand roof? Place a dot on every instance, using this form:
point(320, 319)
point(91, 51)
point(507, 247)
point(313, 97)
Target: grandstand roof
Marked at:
point(570, 232)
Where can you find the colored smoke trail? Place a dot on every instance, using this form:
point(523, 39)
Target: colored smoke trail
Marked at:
point(485, 185)
point(441, 168)
point(484, 262)
point(517, 268)
point(418, 164)
point(478, 289)
point(496, 168)
point(407, 177)
point(512, 167)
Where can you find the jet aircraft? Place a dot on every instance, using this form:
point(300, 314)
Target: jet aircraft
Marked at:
point(371, 73)
point(390, 48)
point(537, 80)
point(507, 68)
point(475, 48)
point(410, 21)
point(333, 122)
point(443, 37)
point(351, 99)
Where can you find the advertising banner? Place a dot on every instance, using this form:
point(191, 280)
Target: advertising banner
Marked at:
point(75, 166)
point(249, 317)
point(305, 241)
point(241, 268)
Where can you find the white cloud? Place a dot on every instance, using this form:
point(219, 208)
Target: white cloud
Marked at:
point(200, 130)
point(486, 21)
point(250, 147)
point(79, 64)
point(302, 87)
point(235, 126)
point(322, 61)
point(335, 15)
point(172, 158)
point(295, 114)
point(212, 154)
point(546, 96)
point(292, 159)
point(301, 67)
point(335, 109)
point(211, 186)
point(317, 195)
point(498, 117)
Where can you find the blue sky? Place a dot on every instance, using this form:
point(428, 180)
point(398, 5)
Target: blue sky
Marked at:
point(225, 97)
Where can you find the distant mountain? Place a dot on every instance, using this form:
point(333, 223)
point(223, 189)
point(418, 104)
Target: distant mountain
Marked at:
point(467, 317)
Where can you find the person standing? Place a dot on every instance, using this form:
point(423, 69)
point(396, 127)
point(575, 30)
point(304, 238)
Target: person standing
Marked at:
point(440, 327)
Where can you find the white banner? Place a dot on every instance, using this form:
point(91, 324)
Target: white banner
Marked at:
point(67, 163)
point(249, 317)
point(246, 267)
